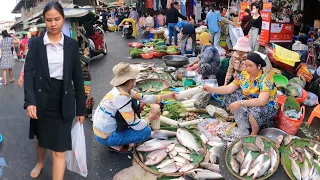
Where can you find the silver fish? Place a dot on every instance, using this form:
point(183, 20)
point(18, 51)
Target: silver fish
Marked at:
point(273, 158)
point(214, 159)
point(164, 163)
point(180, 159)
point(308, 154)
point(170, 147)
point(263, 168)
point(235, 165)
point(289, 138)
point(181, 149)
point(186, 156)
point(279, 141)
point(240, 156)
point(155, 157)
point(215, 143)
point(246, 164)
point(171, 168)
point(186, 167)
point(173, 154)
point(162, 134)
point(154, 144)
point(314, 149)
point(188, 140)
point(236, 148)
point(179, 164)
point(259, 143)
point(254, 166)
point(211, 167)
point(295, 169)
point(201, 174)
point(251, 147)
point(305, 171)
point(215, 153)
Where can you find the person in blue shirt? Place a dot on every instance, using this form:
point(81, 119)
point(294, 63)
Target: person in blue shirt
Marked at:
point(187, 30)
point(212, 21)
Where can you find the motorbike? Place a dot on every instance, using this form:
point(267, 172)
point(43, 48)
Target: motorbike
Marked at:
point(128, 30)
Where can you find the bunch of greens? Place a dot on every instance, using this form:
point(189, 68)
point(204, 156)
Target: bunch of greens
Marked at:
point(171, 49)
point(135, 52)
point(161, 49)
point(174, 110)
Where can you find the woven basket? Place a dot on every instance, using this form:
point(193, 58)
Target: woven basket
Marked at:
point(237, 175)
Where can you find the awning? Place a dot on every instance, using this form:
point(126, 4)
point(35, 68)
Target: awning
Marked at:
point(74, 13)
point(42, 25)
point(32, 21)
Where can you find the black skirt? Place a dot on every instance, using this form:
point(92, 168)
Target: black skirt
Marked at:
point(51, 130)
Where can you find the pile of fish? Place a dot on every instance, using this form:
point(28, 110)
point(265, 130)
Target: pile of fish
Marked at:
point(309, 157)
point(245, 164)
point(171, 156)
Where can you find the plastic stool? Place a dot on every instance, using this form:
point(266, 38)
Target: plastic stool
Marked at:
point(315, 113)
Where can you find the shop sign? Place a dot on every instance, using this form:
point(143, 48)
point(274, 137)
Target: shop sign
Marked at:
point(243, 6)
point(267, 6)
point(265, 28)
point(280, 32)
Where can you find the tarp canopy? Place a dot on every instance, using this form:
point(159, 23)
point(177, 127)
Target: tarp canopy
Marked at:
point(74, 13)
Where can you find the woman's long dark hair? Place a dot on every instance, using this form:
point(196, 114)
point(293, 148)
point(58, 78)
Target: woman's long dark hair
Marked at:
point(5, 34)
point(53, 5)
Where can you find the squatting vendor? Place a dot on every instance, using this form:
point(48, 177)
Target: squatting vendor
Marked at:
point(257, 93)
point(134, 26)
point(116, 121)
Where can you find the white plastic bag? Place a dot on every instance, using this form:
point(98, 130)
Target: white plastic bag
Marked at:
point(76, 159)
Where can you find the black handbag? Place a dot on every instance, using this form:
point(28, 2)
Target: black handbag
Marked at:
point(121, 122)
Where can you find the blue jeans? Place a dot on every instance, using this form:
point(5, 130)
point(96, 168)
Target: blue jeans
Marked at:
point(125, 137)
point(215, 38)
point(172, 31)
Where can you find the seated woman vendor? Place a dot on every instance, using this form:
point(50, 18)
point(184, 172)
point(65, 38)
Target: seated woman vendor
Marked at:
point(258, 93)
point(208, 62)
point(116, 121)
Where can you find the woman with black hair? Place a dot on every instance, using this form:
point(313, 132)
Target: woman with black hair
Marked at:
point(53, 90)
point(172, 20)
point(246, 22)
point(7, 61)
point(256, 23)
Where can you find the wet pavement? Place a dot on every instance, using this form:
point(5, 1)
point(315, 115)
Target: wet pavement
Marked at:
point(19, 152)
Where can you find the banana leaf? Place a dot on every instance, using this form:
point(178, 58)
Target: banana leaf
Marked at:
point(292, 103)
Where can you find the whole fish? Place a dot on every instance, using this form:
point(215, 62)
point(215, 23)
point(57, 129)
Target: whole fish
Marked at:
point(154, 144)
point(235, 165)
point(180, 159)
point(251, 147)
point(186, 167)
point(188, 140)
point(273, 158)
point(179, 164)
point(295, 169)
point(173, 154)
point(155, 157)
point(181, 149)
point(211, 167)
point(289, 138)
point(170, 147)
point(164, 163)
point(170, 168)
point(202, 174)
point(263, 168)
point(311, 172)
point(314, 149)
point(308, 154)
point(294, 153)
point(186, 156)
point(279, 141)
point(162, 134)
point(255, 165)
point(259, 143)
point(215, 143)
point(240, 156)
point(299, 149)
point(301, 157)
point(214, 159)
point(215, 153)
point(246, 164)
point(305, 171)
point(236, 148)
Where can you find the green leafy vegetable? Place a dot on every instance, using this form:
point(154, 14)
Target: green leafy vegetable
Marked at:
point(135, 52)
point(174, 110)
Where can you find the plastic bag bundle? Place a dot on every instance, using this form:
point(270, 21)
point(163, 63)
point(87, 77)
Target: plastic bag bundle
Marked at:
point(242, 118)
point(76, 159)
point(312, 100)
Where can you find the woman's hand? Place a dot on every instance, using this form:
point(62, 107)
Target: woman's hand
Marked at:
point(32, 112)
point(80, 119)
point(208, 89)
point(233, 107)
point(20, 81)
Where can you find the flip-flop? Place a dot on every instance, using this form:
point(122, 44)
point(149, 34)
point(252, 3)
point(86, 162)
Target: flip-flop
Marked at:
point(123, 150)
point(36, 171)
point(12, 80)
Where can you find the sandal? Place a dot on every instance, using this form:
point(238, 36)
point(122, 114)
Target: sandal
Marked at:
point(36, 171)
point(12, 80)
point(123, 150)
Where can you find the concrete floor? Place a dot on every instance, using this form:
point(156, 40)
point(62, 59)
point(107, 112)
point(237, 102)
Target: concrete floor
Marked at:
point(19, 152)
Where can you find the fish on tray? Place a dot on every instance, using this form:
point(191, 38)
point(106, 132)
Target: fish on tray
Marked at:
point(279, 141)
point(180, 159)
point(315, 150)
point(215, 153)
point(186, 167)
point(170, 148)
point(259, 143)
point(235, 164)
point(251, 147)
point(295, 168)
point(211, 167)
point(162, 134)
point(236, 148)
point(305, 170)
point(188, 140)
point(186, 156)
point(181, 149)
point(246, 164)
point(201, 174)
point(155, 157)
point(263, 168)
point(255, 165)
point(289, 138)
point(273, 158)
point(173, 154)
point(240, 156)
point(154, 144)
point(164, 163)
point(170, 168)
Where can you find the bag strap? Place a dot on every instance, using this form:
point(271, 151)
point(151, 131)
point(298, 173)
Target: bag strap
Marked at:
point(247, 24)
point(125, 104)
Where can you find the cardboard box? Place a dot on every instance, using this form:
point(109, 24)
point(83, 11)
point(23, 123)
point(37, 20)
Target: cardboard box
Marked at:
point(316, 24)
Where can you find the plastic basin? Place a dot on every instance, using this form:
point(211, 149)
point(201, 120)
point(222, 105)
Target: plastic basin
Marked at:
point(280, 80)
point(282, 98)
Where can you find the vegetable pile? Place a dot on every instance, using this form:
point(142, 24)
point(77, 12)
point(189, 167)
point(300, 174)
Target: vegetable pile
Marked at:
point(171, 50)
point(135, 53)
point(173, 111)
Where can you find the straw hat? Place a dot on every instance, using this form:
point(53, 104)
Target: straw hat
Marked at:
point(204, 38)
point(122, 73)
point(242, 45)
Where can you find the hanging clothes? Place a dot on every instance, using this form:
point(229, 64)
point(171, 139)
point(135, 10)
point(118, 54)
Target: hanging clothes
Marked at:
point(149, 4)
point(183, 8)
point(164, 4)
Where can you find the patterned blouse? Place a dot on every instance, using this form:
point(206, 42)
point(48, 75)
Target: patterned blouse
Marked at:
point(262, 83)
point(236, 65)
point(104, 122)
